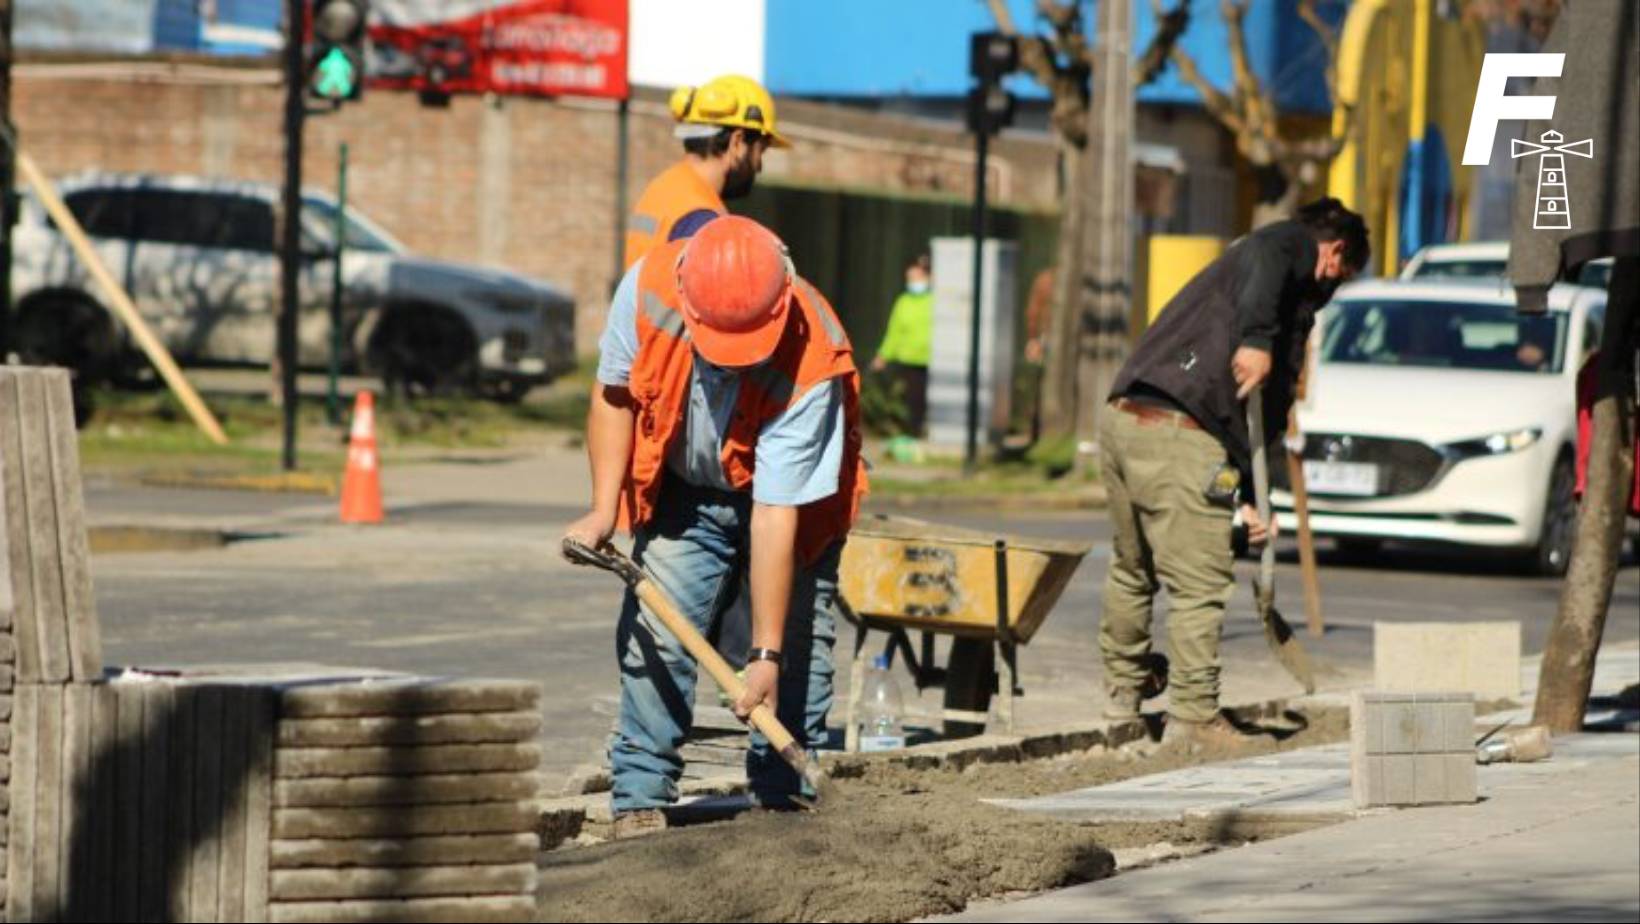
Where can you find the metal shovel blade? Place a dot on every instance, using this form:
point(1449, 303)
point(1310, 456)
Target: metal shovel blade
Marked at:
point(1279, 634)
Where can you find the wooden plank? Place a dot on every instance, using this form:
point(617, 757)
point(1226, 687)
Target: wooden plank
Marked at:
point(158, 719)
point(77, 802)
point(40, 500)
point(407, 882)
point(259, 804)
point(20, 842)
point(79, 603)
point(490, 910)
point(48, 801)
point(105, 740)
point(405, 851)
point(448, 728)
point(180, 833)
point(207, 803)
point(8, 642)
point(19, 589)
point(8, 677)
point(128, 840)
point(235, 748)
point(409, 696)
point(293, 763)
point(5, 707)
point(398, 821)
point(430, 789)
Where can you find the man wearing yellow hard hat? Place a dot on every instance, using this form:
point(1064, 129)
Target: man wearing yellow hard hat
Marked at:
point(725, 126)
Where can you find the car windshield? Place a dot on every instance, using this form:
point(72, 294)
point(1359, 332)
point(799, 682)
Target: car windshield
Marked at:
point(319, 218)
point(1443, 335)
point(1459, 269)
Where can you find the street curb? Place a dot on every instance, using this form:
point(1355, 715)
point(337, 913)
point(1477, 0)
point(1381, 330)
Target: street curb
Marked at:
point(282, 483)
point(1082, 499)
point(567, 817)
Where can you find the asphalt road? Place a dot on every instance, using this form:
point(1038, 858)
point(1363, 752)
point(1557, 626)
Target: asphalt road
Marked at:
point(477, 588)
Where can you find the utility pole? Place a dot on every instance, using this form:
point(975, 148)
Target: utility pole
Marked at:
point(290, 223)
point(8, 178)
point(1107, 244)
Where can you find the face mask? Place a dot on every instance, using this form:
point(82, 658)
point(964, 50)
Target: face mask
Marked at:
point(916, 288)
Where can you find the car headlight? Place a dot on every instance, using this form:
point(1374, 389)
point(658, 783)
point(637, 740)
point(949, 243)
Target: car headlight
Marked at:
point(1497, 444)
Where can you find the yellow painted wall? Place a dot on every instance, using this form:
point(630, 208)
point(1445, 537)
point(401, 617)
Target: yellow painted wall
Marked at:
point(1173, 260)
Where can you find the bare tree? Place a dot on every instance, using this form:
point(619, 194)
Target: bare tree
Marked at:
point(1061, 60)
point(1286, 164)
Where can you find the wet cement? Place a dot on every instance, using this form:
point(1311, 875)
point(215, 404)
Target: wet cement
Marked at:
point(894, 844)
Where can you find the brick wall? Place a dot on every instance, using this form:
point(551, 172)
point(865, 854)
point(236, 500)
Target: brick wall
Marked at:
point(527, 184)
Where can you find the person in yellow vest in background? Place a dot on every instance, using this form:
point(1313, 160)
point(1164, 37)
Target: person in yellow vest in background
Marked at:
point(726, 126)
point(724, 432)
point(909, 342)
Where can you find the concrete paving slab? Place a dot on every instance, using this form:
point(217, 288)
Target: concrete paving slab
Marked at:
point(1557, 840)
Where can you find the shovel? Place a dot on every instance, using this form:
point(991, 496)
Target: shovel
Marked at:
point(762, 718)
point(1276, 631)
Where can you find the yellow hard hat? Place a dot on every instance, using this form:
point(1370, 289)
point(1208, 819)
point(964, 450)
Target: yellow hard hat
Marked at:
point(726, 102)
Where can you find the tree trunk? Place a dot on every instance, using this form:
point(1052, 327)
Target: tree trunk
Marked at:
point(1574, 639)
point(1059, 376)
point(1107, 235)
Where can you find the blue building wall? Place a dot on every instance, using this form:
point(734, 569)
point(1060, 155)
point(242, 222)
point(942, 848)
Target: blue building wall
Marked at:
point(919, 48)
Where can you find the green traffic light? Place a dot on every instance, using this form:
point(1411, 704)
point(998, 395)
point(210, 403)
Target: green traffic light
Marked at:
point(336, 75)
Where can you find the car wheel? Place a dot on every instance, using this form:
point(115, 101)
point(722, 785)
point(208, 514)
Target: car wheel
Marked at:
point(67, 330)
point(423, 352)
point(970, 679)
point(507, 389)
point(1553, 551)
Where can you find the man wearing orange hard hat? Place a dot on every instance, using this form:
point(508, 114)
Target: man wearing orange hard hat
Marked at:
point(725, 126)
point(724, 434)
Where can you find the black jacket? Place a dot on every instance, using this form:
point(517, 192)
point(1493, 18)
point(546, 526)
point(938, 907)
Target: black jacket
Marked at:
point(1261, 293)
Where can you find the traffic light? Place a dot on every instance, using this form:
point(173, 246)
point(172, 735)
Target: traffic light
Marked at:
point(336, 57)
point(991, 57)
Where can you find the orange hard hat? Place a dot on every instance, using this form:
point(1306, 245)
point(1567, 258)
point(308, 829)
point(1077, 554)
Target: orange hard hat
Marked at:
point(735, 281)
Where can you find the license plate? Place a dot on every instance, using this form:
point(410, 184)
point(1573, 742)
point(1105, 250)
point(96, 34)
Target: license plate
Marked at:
point(1359, 479)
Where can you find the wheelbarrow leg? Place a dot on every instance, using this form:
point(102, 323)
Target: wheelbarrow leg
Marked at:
point(1006, 673)
point(1007, 676)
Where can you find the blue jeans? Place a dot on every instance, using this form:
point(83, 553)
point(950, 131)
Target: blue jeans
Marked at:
point(697, 548)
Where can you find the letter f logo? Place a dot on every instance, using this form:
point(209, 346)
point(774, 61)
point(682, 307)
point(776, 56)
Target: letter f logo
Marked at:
point(1493, 106)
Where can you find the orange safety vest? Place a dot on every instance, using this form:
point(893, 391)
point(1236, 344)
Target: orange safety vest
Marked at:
point(675, 193)
point(813, 349)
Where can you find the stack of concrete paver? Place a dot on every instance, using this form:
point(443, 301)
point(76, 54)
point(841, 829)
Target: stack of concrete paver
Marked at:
point(1412, 748)
point(405, 799)
point(251, 794)
point(49, 644)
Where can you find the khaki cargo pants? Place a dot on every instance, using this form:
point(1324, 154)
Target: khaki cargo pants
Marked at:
point(1168, 535)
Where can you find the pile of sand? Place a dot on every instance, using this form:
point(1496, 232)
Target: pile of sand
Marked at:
point(894, 844)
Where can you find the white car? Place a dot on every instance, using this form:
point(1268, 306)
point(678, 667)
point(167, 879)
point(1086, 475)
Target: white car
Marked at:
point(197, 257)
point(1487, 260)
point(1436, 413)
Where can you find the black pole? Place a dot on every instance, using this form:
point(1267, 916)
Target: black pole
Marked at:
point(622, 130)
point(971, 457)
point(333, 400)
point(290, 225)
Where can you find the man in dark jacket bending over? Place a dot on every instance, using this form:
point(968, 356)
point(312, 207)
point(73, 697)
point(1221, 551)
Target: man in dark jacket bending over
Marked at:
point(1176, 458)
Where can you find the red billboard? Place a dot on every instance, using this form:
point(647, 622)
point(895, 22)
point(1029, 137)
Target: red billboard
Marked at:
point(528, 47)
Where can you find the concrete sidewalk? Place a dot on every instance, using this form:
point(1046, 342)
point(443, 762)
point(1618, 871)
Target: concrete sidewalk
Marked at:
point(1561, 843)
point(1557, 840)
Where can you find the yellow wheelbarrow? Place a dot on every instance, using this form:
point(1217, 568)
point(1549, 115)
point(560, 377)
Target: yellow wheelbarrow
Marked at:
point(990, 591)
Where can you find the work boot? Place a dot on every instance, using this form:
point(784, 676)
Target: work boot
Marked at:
point(1122, 704)
point(1215, 736)
point(638, 823)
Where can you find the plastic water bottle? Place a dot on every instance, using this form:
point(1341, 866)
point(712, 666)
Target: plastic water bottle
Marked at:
point(880, 709)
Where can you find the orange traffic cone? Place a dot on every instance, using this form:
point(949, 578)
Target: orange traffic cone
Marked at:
point(361, 481)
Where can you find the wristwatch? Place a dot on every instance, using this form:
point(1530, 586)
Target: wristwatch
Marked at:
point(765, 654)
